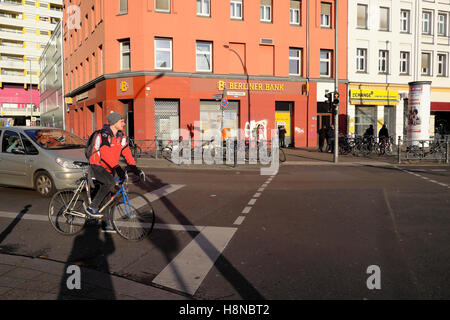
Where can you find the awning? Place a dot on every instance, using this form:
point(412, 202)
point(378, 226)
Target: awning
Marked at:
point(374, 97)
point(440, 106)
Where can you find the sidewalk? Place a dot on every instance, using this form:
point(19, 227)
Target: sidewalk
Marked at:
point(24, 278)
point(299, 156)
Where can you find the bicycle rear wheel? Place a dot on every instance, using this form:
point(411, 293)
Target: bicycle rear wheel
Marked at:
point(59, 214)
point(282, 156)
point(133, 219)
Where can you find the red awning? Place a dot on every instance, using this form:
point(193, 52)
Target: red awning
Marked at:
point(440, 106)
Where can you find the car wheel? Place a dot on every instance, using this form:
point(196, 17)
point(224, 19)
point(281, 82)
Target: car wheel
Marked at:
point(44, 184)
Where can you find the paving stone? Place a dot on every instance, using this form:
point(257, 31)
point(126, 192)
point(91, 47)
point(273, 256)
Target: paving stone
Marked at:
point(23, 273)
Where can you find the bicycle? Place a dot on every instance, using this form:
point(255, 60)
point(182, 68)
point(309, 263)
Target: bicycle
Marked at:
point(281, 154)
point(136, 151)
point(132, 214)
point(384, 146)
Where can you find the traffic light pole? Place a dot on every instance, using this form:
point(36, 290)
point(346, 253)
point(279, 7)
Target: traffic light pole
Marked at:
point(336, 85)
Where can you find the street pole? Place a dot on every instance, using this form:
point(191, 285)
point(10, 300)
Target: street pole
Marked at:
point(336, 85)
point(31, 94)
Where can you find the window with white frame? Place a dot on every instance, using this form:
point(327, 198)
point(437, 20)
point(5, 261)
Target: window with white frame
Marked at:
point(266, 10)
point(361, 21)
point(125, 55)
point(405, 20)
point(361, 60)
point(162, 5)
point(203, 8)
point(325, 15)
point(426, 64)
point(236, 9)
point(204, 56)
point(295, 55)
point(384, 18)
point(404, 62)
point(442, 24)
point(426, 22)
point(123, 6)
point(325, 63)
point(383, 61)
point(442, 64)
point(294, 12)
point(163, 53)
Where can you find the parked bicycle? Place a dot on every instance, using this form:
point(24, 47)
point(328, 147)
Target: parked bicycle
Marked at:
point(436, 148)
point(131, 213)
point(385, 146)
point(136, 150)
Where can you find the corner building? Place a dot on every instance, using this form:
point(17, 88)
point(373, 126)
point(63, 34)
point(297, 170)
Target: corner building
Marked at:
point(162, 64)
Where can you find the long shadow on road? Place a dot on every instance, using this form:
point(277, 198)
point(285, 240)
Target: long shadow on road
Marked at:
point(242, 286)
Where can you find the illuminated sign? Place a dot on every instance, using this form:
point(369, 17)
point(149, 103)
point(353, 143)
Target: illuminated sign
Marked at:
point(252, 86)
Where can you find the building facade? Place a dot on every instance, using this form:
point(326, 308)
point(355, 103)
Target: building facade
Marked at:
point(163, 64)
point(51, 82)
point(25, 28)
point(392, 43)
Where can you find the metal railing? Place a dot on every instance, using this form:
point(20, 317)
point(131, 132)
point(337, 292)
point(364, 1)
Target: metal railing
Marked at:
point(424, 150)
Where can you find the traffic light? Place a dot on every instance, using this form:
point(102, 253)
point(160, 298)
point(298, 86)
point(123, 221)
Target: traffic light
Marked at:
point(329, 97)
point(336, 99)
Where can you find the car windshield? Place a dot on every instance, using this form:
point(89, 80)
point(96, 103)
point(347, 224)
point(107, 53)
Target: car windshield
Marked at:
point(55, 139)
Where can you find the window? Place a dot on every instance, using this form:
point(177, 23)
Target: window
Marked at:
point(404, 20)
point(295, 61)
point(125, 57)
point(325, 14)
point(404, 62)
point(361, 60)
point(325, 63)
point(442, 64)
point(383, 61)
point(163, 53)
point(384, 19)
point(236, 9)
point(362, 16)
point(426, 22)
point(266, 10)
point(204, 56)
point(203, 8)
point(442, 24)
point(426, 63)
point(162, 5)
point(123, 6)
point(294, 13)
point(11, 141)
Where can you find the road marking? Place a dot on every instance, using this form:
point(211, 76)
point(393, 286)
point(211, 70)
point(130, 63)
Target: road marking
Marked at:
point(425, 178)
point(239, 220)
point(257, 195)
point(189, 268)
point(163, 191)
point(261, 189)
point(246, 209)
point(264, 185)
point(252, 202)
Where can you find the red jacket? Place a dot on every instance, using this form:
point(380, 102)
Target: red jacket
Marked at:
point(108, 149)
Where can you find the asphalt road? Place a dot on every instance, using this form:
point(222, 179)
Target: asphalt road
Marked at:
point(309, 232)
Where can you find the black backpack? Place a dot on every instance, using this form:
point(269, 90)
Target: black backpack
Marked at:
point(90, 143)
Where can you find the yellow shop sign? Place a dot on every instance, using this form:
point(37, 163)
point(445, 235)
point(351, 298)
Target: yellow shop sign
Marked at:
point(374, 97)
point(252, 86)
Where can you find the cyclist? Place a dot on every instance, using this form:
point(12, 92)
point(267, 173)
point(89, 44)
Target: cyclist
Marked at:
point(108, 145)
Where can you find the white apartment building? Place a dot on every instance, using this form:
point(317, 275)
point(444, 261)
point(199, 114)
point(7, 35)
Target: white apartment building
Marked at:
point(25, 28)
point(392, 43)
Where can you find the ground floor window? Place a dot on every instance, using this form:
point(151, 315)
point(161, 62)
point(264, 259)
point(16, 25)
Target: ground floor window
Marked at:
point(214, 117)
point(364, 117)
point(390, 119)
point(167, 119)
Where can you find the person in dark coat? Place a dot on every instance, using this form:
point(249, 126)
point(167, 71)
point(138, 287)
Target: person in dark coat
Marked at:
point(330, 139)
point(282, 135)
point(384, 133)
point(322, 132)
point(369, 132)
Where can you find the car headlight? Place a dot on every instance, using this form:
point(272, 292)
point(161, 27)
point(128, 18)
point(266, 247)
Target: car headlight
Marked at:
point(66, 164)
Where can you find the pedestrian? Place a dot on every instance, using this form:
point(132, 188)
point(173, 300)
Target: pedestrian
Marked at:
point(369, 132)
point(108, 145)
point(282, 134)
point(330, 139)
point(322, 132)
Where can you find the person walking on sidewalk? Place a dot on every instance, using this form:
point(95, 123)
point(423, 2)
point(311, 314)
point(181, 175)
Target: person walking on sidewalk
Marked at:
point(322, 134)
point(330, 139)
point(109, 144)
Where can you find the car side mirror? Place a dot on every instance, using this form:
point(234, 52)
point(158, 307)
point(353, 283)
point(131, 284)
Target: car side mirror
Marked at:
point(17, 151)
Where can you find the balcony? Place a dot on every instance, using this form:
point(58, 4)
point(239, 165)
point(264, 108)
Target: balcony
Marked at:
point(19, 79)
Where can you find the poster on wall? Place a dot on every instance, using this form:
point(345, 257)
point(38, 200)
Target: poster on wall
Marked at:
point(419, 111)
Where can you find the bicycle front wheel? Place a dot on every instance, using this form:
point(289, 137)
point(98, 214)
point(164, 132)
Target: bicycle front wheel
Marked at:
point(63, 218)
point(133, 218)
point(282, 155)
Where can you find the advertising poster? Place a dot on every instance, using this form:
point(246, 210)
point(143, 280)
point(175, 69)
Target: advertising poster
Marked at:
point(419, 111)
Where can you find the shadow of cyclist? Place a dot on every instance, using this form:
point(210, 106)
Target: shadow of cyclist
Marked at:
point(242, 286)
point(91, 252)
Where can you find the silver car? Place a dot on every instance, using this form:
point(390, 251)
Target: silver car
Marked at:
point(40, 158)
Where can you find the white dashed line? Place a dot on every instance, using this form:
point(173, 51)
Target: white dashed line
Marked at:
point(246, 209)
point(252, 202)
point(261, 189)
point(239, 220)
point(257, 195)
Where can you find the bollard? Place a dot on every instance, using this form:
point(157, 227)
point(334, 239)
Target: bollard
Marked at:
point(399, 146)
point(156, 148)
point(447, 147)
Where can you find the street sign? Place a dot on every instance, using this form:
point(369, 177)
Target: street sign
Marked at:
point(217, 97)
point(236, 93)
point(224, 103)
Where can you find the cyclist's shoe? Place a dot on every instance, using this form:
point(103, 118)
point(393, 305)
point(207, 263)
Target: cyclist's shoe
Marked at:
point(107, 227)
point(94, 213)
